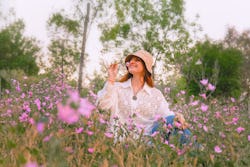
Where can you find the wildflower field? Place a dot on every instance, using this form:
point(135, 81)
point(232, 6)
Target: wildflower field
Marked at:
point(47, 123)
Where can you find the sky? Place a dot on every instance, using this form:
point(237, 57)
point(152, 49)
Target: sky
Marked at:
point(215, 16)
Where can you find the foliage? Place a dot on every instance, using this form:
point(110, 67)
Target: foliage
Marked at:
point(64, 50)
point(17, 51)
point(221, 66)
point(156, 26)
point(97, 82)
point(241, 41)
point(33, 131)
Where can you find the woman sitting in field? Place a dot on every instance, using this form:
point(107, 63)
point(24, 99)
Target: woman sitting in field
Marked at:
point(134, 98)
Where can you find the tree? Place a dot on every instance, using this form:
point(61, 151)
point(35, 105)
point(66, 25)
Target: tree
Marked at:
point(81, 21)
point(220, 65)
point(64, 47)
point(84, 38)
point(241, 41)
point(17, 51)
point(156, 26)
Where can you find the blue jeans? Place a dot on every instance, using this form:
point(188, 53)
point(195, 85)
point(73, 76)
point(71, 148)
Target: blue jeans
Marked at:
point(185, 136)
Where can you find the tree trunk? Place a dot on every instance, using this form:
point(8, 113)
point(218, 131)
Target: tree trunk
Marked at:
point(83, 49)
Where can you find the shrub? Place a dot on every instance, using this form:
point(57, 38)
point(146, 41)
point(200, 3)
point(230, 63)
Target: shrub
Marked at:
point(219, 65)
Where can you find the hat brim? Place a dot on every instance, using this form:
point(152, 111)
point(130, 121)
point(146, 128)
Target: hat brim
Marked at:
point(129, 57)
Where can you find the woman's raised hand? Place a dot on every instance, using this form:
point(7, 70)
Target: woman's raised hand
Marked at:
point(112, 72)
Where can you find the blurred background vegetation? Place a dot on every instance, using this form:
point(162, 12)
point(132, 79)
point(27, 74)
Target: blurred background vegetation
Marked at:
point(160, 28)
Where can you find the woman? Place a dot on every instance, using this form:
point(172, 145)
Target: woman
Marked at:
point(134, 98)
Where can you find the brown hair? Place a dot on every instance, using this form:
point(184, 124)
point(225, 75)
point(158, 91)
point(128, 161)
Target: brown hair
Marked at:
point(147, 77)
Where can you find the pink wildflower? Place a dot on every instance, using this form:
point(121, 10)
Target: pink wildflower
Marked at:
point(204, 82)
point(183, 92)
point(204, 107)
point(7, 91)
point(69, 149)
point(85, 108)
point(217, 149)
point(248, 137)
point(31, 121)
point(40, 127)
point(204, 96)
point(157, 117)
point(240, 129)
point(194, 103)
point(154, 134)
point(102, 121)
point(109, 135)
point(235, 120)
point(38, 104)
point(90, 133)
point(167, 90)
point(24, 117)
point(74, 96)
point(26, 107)
point(232, 99)
point(91, 150)
point(211, 87)
point(92, 94)
point(18, 89)
point(47, 138)
point(205, 128)
point(23, 95)
point(222, 135)
point(79, 130)
point(67, 114)
point(177, 124)
point(30, 94)
point(31, 164)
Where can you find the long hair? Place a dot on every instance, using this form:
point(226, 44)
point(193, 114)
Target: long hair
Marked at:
point(147, 77)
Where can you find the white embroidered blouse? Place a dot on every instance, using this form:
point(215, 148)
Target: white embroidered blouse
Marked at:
point(150, 103)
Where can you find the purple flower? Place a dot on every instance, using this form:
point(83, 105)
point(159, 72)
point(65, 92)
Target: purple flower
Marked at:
point(248, 137)
point(217, 149)
point(204, 82)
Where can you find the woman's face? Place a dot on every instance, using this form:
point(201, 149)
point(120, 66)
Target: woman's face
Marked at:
point(135, 66)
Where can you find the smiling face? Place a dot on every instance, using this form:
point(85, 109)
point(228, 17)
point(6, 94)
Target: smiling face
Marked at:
point(135, 66)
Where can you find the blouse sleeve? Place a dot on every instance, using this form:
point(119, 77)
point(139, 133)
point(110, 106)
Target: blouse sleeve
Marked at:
point(164, 110)
point(107, 97)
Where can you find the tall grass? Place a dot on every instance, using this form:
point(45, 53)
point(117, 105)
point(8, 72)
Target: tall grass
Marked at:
point(47, 124)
